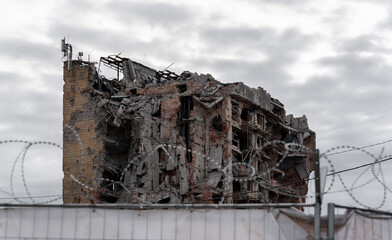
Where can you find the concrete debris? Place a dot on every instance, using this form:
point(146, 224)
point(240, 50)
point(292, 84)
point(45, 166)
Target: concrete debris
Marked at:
point(158, 137)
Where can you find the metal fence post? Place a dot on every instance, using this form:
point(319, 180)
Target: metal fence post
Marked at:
point(331, 221)
point(317, 205)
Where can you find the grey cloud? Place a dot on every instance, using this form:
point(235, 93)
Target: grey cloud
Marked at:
point(25, 49)
point(358, 69)
point(242, 36)
point(386, 24)
point(113, 42)
point(253, 73)
point(265, 40)
point(52, 83)
point(81, 34)
point(281, 49)
point(28, 112)
point(7, 80)
point(156, 14)
point(290, 3)
point(361, 43)
point(126, 14)
point(352, 104)
point(34, 115)
point(364, 43)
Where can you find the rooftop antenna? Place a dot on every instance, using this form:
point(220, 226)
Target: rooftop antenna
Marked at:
point(66, 48)
point(80, 55)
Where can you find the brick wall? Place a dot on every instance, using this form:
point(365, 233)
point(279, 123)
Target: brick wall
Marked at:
point(77, 111)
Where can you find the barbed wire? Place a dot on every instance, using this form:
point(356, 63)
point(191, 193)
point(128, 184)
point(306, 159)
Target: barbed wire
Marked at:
point(366, 146)
point(254, 175)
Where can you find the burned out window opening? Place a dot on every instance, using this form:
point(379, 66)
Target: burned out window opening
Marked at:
point(181, 88)
point(236, 187)
point(260, 142)
point(110, 189)
point(261, 120)
point(241, 138)
point(164, 200)
point(234, 110)
point(184, 113)
point(247, 154)
point(250, 186)
point(237, 157)
point(246, 114)
point(290, 138)
point(217, 123)
point(133, 91)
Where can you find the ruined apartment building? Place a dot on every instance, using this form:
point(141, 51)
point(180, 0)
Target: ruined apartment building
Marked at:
point(158, 137)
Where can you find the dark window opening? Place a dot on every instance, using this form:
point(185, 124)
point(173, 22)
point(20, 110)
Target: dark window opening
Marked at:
point(284, 199)
point(161, 178)
point(117, 145)
point(250, 186)
point(268, 151)
point(234, 110)
point(183, 127)
point(261, 120)
point(273, 197)
point(109, 190)
point(260, 142)
point(237, 157)
point(290, 138)
point(268, 127)
point(276, 133)
point(161, 155)
point(236, 138)
point(277, 111)
point(217, 123)
point(184, 112)
point(157, 113)
point(188, 142)
point(139, 182)
point(240, 139)
point(133, 91)
point(245, 114)
point(216, 198)
point(259, 166)
point(236, 186)
point(246, 155)
point(164, 200)
point(104, 85)
point(181, 88)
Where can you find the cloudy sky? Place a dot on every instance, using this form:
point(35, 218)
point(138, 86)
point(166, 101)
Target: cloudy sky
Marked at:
point(330, 60)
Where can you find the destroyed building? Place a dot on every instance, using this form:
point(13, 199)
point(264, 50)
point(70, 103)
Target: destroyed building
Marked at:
point(149, 136)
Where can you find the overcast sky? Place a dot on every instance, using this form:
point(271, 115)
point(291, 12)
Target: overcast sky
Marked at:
point(330, 60)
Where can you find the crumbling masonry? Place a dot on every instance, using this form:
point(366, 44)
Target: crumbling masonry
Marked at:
point(158, 137)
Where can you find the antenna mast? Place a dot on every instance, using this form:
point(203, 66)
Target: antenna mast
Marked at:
point(66, 48)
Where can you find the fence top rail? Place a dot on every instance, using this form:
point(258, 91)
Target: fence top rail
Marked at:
point(162, 206)
point(364, 210)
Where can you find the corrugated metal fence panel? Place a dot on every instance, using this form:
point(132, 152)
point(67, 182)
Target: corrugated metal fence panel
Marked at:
point(363, 227)
point(181, 224)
